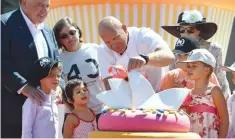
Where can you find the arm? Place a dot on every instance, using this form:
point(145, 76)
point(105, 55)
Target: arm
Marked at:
point(28, 119)
point(161, 57)
point(221, 105)
point(13, 81)
point(159, 53)
point(151, 44)
point(69, 125)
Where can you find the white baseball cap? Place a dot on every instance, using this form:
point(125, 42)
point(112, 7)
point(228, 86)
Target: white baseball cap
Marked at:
point(201, 55)
point(229, 69)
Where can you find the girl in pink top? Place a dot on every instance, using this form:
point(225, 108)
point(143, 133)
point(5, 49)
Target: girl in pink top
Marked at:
point(81, 121)
point(207, 109)
point(231, 104)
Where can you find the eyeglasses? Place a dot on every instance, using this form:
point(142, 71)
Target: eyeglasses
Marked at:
point(190, 30)
point(65, 36)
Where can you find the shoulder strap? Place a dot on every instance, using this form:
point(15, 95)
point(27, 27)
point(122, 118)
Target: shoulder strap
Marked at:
point(92, 112)
point(78, 119)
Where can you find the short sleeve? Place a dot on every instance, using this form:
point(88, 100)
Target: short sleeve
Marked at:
point(105, 59)
point(150, 39)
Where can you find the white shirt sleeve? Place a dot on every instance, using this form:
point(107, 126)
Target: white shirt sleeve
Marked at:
point(150, 39)
point(105, 59)
point(20, 90)
point(28, 118)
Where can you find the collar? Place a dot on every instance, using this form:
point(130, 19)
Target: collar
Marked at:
point(47, 96)
point(30, 23)
point(204, 43)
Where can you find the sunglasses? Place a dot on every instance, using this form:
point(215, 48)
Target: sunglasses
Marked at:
point(190, 30)
point(65, 36)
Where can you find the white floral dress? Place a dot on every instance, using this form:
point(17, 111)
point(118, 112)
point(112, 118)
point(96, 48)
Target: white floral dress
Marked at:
point(204, 123)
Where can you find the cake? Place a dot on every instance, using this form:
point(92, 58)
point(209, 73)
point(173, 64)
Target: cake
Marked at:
point(135, 110)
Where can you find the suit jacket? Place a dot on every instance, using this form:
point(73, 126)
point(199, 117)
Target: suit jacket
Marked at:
point(18, 55)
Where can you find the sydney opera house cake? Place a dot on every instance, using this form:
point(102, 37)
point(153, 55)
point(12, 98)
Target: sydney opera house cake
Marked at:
point(134, 110)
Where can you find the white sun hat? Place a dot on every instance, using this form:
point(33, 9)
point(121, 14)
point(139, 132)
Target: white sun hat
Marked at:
point(201, 55)
point(229, 69)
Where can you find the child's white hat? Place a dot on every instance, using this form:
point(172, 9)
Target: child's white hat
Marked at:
point(201, 55)
point(229, 69)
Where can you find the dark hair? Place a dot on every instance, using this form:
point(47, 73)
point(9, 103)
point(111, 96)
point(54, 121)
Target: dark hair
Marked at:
point(66, 21)
point(71, 84)
point(65, 100)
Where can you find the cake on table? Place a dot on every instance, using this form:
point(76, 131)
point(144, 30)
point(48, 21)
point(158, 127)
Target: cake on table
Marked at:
point(134, 110)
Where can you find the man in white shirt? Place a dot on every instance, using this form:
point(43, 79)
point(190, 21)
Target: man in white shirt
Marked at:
point(24, 40)
point(139, 49)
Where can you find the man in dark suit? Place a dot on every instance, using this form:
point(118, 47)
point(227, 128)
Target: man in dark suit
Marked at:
point(24, 39)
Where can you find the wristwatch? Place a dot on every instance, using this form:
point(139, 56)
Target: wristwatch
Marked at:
point(145, 57)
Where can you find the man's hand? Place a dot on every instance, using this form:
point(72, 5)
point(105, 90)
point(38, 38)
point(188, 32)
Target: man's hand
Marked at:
point(136, 62)
point(33, 94)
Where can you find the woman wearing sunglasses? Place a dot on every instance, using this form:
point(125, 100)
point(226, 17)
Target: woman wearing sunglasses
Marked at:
point(192, 23)
point(80, 60)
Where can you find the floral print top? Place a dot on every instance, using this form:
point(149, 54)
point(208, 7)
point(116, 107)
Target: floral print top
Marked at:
point(205, 124)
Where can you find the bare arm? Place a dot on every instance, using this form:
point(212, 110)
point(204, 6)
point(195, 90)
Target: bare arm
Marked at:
point(69, 125)
point(221, 105)
point(161, 57)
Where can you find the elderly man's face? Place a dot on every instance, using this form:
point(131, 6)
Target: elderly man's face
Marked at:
point(36, 10)
point(115, 40)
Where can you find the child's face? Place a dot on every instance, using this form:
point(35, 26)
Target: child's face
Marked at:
point(80, 95)
point(197, 70)
point(233, 74)
point(52, 80)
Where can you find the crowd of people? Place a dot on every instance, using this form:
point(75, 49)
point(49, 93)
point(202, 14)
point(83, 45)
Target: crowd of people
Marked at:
point(40, 66)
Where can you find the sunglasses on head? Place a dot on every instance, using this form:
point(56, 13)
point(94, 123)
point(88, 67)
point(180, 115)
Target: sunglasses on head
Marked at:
point(65, 35)
point(190, 30)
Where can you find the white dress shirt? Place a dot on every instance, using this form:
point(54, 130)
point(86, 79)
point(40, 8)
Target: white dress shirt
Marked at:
point(39, 40)
point(40, 121)
point(38, 37)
